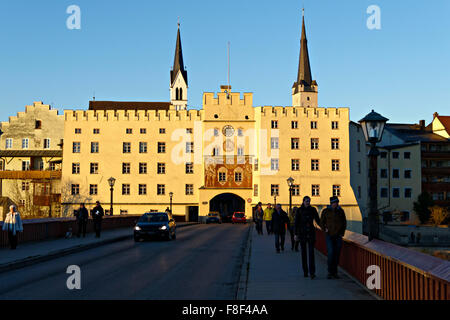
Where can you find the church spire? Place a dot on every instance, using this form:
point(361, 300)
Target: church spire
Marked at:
point(304, 69)
point(178, 64)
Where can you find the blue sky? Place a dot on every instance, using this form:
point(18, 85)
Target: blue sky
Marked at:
point(125, 49)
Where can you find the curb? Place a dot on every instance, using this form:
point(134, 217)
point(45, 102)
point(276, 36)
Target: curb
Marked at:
point(241, 293)
point(22, 263)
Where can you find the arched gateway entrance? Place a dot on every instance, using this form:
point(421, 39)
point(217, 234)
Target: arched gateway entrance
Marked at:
point(226, 204)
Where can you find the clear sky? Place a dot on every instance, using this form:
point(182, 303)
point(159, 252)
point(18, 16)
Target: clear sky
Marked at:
point(125, 49)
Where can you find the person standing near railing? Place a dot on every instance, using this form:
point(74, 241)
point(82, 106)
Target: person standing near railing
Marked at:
point(334, 223)
point(82, 218)
point(97, 216)
point(13, 225)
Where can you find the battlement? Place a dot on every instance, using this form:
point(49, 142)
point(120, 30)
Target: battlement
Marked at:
point(302, 112)
point(231, 99)
point(134, 115)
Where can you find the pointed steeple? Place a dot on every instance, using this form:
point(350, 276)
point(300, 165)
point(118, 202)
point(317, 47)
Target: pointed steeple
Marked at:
point(304, 68)
point(178, 64)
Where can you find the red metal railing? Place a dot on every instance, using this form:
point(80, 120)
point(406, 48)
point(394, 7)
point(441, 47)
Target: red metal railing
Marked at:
point(405, 274)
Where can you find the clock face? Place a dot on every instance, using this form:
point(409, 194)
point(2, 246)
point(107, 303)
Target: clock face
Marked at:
point(228, 145)
point(228, 131)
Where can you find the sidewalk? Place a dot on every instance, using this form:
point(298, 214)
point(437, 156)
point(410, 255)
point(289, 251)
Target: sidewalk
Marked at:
point(33, 252)
point(273, 276)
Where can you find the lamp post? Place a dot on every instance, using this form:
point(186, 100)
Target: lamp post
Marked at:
point(171, 196)
point(290, 183)
point(275, 199)
point(373, 126)
point(111, 182)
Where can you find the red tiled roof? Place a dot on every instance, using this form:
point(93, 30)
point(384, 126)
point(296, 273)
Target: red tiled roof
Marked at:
point(445, 120)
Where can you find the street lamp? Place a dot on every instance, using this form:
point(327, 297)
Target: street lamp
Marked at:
point(171, 196)
point(275, 199)
point(373, 126)
point(290, 183)
point(111, 182)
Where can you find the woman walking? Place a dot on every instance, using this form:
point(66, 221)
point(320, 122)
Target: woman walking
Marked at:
point(13, 225)
point(305, 232)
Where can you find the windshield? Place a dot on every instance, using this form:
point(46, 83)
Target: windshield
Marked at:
point(154, 217)
point(213, 214)
point(239, 215)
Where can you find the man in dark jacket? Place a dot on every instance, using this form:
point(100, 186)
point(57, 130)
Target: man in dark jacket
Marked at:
point(334, 223)
point(258, 215)
point(279, 221)
point(82, 218)
point(305, 232)
point(97, 216)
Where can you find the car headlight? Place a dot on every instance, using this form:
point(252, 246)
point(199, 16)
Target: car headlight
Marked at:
point(163, 228)
point(137, 228)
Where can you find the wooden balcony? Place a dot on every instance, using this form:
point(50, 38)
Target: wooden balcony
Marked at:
point(30, 175)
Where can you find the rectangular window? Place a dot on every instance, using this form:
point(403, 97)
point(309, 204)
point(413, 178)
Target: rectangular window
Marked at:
point(189, 189)
point(9, 143)
point(216, 132)
point(189, 130)
point(189, 147)
point(143, 168)
point(240, 151)
point(275, 190)
point(294, 124)
point(52, 166)
point(94, 168)
point(93, 189)
point(274, 143)
point(383, 173)
point(142, 147)
point(255, 190)
point(127, 147)
point(315, 190)
point(313, 124)
point(395, 173)
point(96, 131)
point(295, 190)
point(395, 192)
point(76, 147)
point(256, 165)
point(274, 124)
point(408, 174)
point(189, 168)
point(162, 131)
point(216, 151)
point(295, 143)
point(384, 193)
point(25, 143)
point(395, 155)
point(94, 147)
point(407, 155)
point(126, 168)
point(46, 143)
point(75, 189)
point(129, 131)
point(314, 165)
point(314, 143)
point(358, 145)
point(334, 144)
point(77, 131)
point(161, 189)
point(25, 186)
point(408, 193)
point(125, 189)
point(142, 189)
point(161, 147)
point(274, 165)
point(336, 190)
point(383, 155)
point(295, 164)
point(38, 124)
point(238, 177)
point(75, 168)
point(222, 177)
point(26, 165)
point(161, 168)
point(334, 125)
point(335, 165)
point(143, 131)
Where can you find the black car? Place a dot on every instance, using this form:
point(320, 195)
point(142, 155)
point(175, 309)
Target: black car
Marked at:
point(155, 224)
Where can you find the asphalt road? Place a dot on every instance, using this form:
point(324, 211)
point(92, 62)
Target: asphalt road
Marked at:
point(203, 263)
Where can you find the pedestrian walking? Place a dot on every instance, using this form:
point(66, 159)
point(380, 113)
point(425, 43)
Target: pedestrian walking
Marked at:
point(97, 217)
point(268, 218)
point(82, 218)
point(258, 218)
point(279, 221)
point(305, 232)
point(294, 242)
point(334, 223)
point(13, 225)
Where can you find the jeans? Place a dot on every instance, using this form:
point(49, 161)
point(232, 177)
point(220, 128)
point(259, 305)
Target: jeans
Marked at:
point(334, 245)
point(293, 242)
point(12, 240)
point(259, 226)
point(269, 226)
point(279, 237)
point(308, 247)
